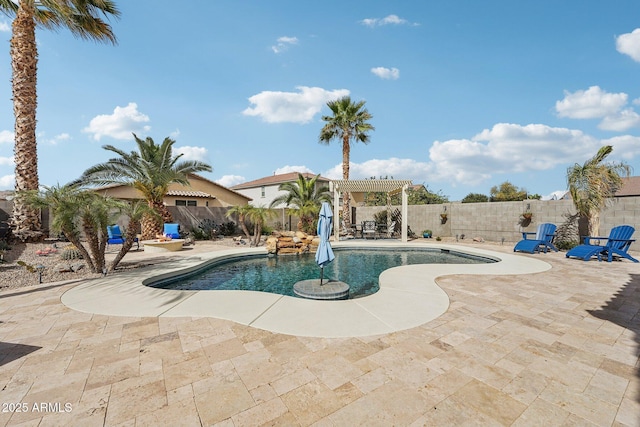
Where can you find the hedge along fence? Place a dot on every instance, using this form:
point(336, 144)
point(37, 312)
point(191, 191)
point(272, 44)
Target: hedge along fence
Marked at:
point(495, 221)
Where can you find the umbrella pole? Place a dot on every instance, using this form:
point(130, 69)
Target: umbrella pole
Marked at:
point(321, 274)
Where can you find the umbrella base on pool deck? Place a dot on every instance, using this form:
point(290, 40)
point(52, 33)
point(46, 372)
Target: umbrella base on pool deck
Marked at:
point(329, 290)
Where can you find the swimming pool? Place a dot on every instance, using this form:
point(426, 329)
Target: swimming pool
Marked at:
point(360, 268)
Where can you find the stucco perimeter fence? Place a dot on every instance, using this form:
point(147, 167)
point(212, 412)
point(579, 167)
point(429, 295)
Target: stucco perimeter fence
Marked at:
point(494, 221)
point(491, 221)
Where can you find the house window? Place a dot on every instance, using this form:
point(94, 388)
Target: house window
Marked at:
point(186, 202)
point(262, 191)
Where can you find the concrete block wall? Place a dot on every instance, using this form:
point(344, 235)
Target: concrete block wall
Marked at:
point(495, 221)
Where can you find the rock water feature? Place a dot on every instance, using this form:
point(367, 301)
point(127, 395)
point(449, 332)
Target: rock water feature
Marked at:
point(291, 242)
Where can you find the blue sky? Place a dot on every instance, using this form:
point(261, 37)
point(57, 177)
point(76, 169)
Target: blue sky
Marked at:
point(464, 94)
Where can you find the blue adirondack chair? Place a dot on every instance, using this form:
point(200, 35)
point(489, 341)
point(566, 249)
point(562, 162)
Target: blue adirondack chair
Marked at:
point(115, 237)
point(617, 244)
point(172, 230)
point(542, 240)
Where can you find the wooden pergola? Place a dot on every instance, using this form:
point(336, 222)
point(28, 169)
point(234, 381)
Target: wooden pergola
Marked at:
point(389, 186)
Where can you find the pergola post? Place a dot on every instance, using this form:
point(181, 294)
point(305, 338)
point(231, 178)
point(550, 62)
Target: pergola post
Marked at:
point(405, 213)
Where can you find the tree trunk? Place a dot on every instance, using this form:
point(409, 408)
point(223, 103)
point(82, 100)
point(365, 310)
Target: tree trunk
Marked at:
point(24, 62)
point(154, 225)
point(594, 224)
point(243, 225)
point(93, 241)
point(129, 238)
point(346, 196)
point(73, 238)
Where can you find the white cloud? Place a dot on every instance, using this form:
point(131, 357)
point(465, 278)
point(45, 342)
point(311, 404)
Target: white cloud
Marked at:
point(284, 43)
point(5, 27)
point(192, 153)
point(289, 169)
point(231, 180)
point(175, 134)
point(120, 125)
point(291, 107)
point(386, 73)
point(509, 148)
point(590, 104)
point(7, 182)
point(8, 161)
point(624, 120)
point(6, 137)
point(387, 20)
point(392, 167)
point(55, 140)
point(629, 44)
point(594, 103)
point(625, 147)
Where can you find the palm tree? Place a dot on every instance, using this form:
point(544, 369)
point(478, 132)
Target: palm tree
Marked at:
point(150, 170)
point(242, 211)
point(349, 122)
point(258, 215)
point(83, 18)
point(136, 210)
point(75, 212)
point(304, 199)
point(592, 184)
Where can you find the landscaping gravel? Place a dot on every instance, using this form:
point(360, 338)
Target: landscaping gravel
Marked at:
point(48, 255)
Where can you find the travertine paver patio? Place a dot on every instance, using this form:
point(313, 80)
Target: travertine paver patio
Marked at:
point(553, 348)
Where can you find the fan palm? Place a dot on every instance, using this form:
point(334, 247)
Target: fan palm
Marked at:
point(348, 123)
point(150, 170)
point(82, 18)
point(304, 199)
point(592, 184)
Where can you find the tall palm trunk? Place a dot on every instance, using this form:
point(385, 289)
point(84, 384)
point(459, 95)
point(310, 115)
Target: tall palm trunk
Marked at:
point(152, 225)
point(346, 196)
point(24, 61)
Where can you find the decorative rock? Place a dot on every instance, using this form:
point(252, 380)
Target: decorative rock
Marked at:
point(77, 266)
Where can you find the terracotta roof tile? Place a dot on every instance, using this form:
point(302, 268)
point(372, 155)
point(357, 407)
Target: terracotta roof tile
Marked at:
point(276, 179)
point(186, 193)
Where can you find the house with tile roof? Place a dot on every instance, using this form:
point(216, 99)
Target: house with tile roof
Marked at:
point(200, 193)
point(264, 190)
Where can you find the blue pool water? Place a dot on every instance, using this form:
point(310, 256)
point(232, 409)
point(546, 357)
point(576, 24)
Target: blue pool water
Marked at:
point(359, 268)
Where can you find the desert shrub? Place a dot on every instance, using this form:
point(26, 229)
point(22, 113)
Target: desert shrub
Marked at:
point(565, 245)
point(228, 228)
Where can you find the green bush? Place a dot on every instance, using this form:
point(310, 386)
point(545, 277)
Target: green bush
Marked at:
point(565, 245)
point(228, 228)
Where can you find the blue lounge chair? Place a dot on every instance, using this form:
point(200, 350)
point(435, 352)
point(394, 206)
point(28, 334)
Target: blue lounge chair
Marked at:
point(543, 240)
point(617, 244)
point(172, 230)
point(115, 237)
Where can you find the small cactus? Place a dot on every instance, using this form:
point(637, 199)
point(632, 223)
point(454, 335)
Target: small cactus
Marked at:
point(70, 252)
